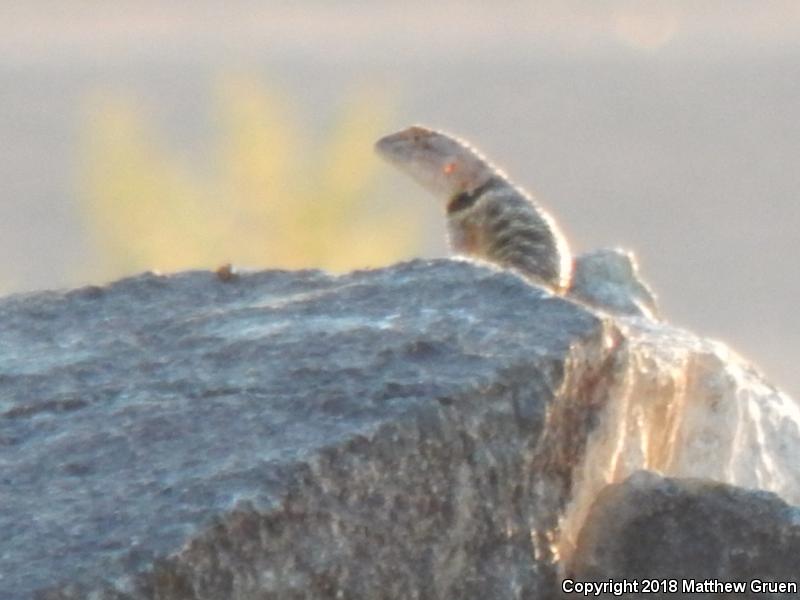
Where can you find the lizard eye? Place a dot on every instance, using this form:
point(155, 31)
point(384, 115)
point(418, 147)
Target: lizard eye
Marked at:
point(449, 168)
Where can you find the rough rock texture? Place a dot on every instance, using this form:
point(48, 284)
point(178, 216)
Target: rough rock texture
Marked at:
point(404, 433)
point(654, 528)
point(431, 430)
point(685, 406)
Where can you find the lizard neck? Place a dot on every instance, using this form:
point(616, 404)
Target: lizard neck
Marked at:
point(466, 199)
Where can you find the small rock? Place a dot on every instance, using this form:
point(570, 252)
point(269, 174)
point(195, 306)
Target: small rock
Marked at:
point(609, 279)
point(689, 531)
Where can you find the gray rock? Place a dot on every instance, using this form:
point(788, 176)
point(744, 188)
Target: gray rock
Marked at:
point(431, 430)
point(609, 279)
point(402, 433)
point(691, 531)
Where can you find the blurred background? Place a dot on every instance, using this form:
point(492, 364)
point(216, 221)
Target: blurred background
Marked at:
point(145, 134)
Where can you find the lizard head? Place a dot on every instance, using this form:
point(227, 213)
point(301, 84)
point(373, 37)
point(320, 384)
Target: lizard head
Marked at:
point(441, 163)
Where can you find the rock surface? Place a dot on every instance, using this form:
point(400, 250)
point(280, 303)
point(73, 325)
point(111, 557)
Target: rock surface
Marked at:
point(685, 406)
point(291, 435)
point(664, 529)
point(431, 430)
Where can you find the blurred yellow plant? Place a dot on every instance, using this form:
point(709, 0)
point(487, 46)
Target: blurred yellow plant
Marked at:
point(271, 199)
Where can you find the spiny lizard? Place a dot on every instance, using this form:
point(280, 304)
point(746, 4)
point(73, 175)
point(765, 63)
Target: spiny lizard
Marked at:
point(488, 217)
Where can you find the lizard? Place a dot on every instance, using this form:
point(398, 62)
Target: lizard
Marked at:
point(488, 217)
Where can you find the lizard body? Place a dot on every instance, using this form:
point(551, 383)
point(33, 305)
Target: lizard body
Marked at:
point(488, 217)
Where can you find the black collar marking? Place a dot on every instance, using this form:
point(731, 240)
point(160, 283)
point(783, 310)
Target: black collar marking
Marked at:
point(464, 200)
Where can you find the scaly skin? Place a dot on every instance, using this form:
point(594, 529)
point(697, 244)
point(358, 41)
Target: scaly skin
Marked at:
point(488, 217)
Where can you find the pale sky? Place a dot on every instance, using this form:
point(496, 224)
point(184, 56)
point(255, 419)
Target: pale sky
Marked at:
point(46, 31)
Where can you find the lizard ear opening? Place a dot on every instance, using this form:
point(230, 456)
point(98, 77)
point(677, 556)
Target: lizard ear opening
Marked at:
point(449, 168)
